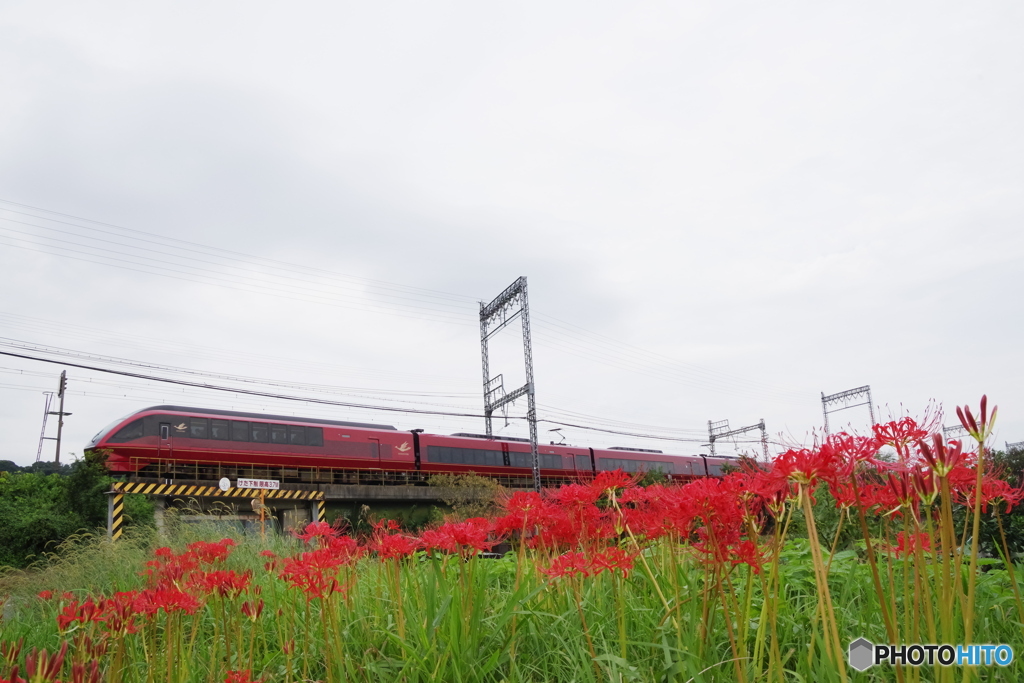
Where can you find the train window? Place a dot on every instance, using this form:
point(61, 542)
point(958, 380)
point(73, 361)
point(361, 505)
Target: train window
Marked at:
point(199, 428)
point(130, 432)
point(239, 431)
point(278, 433)
point(314, 436)
point(220, 430)
point(607, 464)
point(547, 461)
point(465, 456)
point(714, 469)
point(297, 435)
point(260, 432)
point(583, 463)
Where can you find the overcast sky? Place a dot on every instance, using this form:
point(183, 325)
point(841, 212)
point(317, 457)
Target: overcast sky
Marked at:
point(722, 209)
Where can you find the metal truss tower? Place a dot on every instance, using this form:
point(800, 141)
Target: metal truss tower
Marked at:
point(843, 399)
point(506, 307)
point(954, 432)
point(720, 430)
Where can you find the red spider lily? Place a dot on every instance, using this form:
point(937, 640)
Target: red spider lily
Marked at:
point(568, 564)
point(10, 651)
point(907, 544)
point(899, 434)
point(612, 559)
point(575, 495)
point(226, 584)
point(241, 677)
point(902, 487)
point(394, 546)
point(655, 511)
point(610, 482)
point(572, 526)
point(170, 568)
point(120, 612)
point(849, 450)
point(91, 649)
point(85, 612)
point(942, 458)
point(253, 610)
point(979, 429)
point(468, 537)
point(924, 484)
point(806, 466)
point(272, 564)
point(80, 673)
point(45, 595)
point(345, 547)
point(314, 573)
point(167, 598)
point(522, 511)
point(963, 484)
point(437, 539)
point(391, 546)
point(41, 666)
point(318, 530)
point(211, 553)
point(878, 497)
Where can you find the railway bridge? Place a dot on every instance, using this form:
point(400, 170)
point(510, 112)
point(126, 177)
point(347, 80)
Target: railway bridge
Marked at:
point(293, 505)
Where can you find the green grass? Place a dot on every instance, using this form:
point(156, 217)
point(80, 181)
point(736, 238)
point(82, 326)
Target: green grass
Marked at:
point(468, 621)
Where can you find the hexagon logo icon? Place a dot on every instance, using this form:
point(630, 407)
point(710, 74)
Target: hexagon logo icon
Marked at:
point(861, 654)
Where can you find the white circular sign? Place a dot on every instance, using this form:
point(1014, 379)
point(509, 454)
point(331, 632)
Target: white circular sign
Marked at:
point(225, 484)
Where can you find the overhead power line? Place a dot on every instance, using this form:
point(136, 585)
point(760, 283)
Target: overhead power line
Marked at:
point(98, 242)
point(328, 402)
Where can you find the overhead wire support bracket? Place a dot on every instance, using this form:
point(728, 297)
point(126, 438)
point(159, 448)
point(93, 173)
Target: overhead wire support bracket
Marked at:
point(720, 430)
point(511, 304)
point(843, 399)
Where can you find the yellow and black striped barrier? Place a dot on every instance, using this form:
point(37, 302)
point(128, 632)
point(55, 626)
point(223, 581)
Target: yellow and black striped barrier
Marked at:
point(318, 510)
point(115, 498)
point(196, 491)
point(115, 515)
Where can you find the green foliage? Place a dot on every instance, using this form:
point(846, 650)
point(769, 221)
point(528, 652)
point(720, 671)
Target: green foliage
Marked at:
point(468, 495)
point(652, 477)
point(40, 510)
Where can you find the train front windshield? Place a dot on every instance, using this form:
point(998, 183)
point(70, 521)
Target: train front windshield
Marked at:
point(106, 430)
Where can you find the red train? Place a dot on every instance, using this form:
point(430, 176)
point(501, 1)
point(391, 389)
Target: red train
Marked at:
point(175, 442)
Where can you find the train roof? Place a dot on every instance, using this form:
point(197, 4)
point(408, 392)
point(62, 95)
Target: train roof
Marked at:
point(635, 450)
point(492, 438)
point(264, 416)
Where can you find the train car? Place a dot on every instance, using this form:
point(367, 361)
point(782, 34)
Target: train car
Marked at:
point(506, 458)
point(178, 442)
point(676, 467)
point(183, 442)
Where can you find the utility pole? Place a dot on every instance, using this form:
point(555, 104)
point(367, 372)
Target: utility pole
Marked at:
point(62, 385)
point(60, 411)
point(506, 307)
